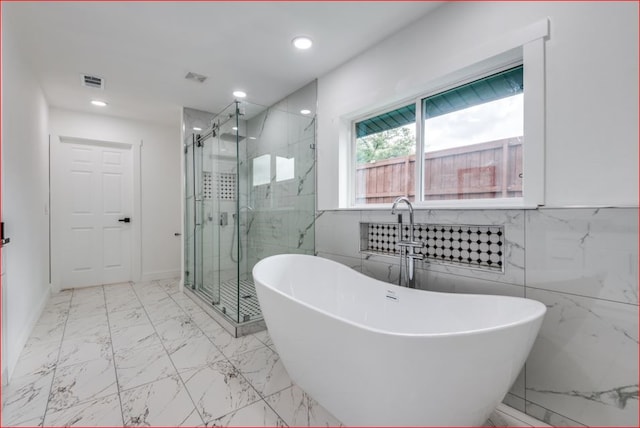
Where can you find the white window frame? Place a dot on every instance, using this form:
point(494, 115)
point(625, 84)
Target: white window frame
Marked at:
point(527, 49)
point(353, 156)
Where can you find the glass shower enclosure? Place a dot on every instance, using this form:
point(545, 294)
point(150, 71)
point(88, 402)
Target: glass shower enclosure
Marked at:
point(216, 213)
point(249, 193)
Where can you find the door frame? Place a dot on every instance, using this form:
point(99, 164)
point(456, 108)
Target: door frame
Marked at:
point(136, 186)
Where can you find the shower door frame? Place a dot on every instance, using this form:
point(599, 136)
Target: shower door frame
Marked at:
point(196, 279)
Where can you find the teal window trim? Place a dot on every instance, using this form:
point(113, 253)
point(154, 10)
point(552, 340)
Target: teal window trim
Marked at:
point(386, 121)
point(491, 88)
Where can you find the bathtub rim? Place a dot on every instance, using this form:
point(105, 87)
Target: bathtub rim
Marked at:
point(526, 320)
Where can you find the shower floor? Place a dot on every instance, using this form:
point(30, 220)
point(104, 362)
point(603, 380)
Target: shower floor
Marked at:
point(249, 306)
point(226, 300)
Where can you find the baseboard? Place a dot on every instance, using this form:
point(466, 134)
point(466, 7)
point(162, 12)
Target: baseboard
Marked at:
point(56, 288)
point(16, 349)
point(167, 274)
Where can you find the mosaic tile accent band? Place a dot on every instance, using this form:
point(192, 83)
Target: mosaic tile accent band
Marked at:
point(226, 186)
point(206, 185)
point(470, 245)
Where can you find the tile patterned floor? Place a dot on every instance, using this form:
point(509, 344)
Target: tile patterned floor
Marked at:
point(146, 354)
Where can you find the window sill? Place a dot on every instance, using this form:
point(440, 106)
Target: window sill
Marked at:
point(493, 204)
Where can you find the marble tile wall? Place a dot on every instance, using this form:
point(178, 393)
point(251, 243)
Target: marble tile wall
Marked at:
point(581, 263)
point(283, 214)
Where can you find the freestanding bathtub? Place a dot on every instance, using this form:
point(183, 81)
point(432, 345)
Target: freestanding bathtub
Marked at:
point(373, 353)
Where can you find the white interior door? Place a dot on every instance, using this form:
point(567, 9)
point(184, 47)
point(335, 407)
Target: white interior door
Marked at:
point(91, 202)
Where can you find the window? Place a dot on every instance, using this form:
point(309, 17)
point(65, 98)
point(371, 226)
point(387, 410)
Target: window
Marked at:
point(470, 138)
point(473, 138)
point(262, 166)
point(385, 156)
point(285, 168)
point(261, 170)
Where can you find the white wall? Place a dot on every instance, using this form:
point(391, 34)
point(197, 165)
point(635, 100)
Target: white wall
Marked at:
point(160, 179)
point(591, 89)
point(25, 196)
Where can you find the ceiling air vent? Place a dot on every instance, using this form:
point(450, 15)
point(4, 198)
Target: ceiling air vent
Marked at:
point(92, 81)
point(195, 77)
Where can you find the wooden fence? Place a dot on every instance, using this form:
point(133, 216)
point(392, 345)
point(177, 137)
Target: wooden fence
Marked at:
point(485, 170)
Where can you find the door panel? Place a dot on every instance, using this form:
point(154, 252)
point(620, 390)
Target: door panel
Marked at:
point(112, 193)
point(112, 240)
point(82, 240)
point(111, 158)
point(91, 192)
point(81, 191)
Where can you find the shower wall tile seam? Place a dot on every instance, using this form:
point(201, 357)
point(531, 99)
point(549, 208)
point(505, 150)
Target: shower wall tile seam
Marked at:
point(529, 287)
point(337, 253)
point(470, 276)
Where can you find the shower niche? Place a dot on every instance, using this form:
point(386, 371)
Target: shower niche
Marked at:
point(249, 193)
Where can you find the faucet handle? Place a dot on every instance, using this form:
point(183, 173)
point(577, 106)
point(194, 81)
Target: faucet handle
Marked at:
point(414, 244)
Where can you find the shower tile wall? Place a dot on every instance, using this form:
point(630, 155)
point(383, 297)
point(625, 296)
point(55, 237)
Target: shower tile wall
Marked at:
point(581, 263)
point(218, 240)
point(284, 208)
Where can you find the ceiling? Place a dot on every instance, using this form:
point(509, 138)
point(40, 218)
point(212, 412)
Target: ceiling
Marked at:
point(143, 50)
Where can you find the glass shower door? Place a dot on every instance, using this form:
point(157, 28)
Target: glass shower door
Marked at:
point(189, 212)
point(208, 251)
point(224, 157)
point(216, 241)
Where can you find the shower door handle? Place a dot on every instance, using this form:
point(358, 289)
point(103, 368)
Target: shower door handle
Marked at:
point(223, 219)
point(125, 220)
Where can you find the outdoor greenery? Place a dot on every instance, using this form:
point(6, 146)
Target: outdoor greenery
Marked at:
point(388, 144)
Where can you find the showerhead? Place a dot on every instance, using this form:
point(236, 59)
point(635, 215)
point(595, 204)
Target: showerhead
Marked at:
point(227, 136)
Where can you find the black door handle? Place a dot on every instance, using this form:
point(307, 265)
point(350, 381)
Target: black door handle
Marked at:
point(125, 220)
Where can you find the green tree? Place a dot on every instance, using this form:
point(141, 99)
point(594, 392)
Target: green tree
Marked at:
point(388, 144)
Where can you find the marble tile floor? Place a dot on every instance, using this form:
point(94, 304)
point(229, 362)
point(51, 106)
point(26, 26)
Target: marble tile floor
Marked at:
point(146, 354)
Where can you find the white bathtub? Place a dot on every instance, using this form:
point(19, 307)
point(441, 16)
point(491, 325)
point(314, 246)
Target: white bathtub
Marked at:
point(373, 353)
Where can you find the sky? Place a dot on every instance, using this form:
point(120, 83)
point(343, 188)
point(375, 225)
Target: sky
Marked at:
point(484, 122)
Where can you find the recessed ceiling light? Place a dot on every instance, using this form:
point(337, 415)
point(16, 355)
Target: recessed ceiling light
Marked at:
point(252, 138)
point(195, 128)
point(302, 42)
point(235, 128)
point(239, 94)
point(98, 103)
point(305, 111)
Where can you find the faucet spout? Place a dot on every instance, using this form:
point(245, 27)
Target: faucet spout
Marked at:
point(410, 207)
